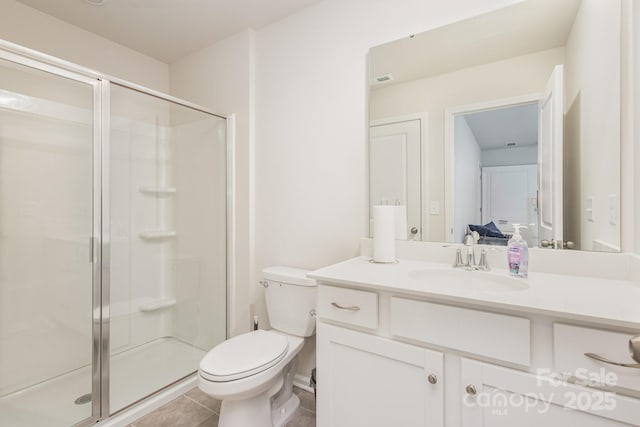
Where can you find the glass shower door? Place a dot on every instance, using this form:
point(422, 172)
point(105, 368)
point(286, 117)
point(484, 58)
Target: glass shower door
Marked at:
point(167, 195)
point(46, 222)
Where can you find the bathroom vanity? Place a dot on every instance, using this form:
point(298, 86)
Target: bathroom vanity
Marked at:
point(422, 344)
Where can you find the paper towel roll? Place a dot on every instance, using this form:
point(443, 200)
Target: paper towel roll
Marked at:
point(401, 222)
point(384, 234)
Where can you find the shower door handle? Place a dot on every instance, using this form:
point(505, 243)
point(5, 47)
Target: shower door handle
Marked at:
point(92, 245)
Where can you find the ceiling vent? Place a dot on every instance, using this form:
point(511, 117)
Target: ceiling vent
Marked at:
point(383, 78)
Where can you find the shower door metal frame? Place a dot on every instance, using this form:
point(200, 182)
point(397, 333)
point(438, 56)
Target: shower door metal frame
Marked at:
point(100, 242)
point(103, 242)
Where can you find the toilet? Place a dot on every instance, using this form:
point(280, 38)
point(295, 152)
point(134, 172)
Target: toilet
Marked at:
point(253, 373)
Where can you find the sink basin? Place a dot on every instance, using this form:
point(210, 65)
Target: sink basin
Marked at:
point(481, 281)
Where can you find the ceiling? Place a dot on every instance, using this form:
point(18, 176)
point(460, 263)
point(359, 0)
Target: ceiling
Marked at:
point(526, 27)
point(168, 29)
point(493, 129)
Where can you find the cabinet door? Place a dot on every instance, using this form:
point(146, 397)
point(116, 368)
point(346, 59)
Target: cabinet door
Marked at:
point(506, 398)
point(364, 380)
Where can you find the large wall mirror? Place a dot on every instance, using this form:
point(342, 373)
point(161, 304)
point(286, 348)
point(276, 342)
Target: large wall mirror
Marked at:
point(508, 117)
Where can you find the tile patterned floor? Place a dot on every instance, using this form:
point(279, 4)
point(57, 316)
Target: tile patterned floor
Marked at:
point(196, 409)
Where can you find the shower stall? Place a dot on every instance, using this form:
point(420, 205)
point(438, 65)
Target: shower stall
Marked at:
point(113, 251)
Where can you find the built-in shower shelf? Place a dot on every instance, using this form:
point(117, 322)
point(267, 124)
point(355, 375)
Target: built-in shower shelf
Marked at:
point(157, 234)
point(158, 191)
point(157, 304)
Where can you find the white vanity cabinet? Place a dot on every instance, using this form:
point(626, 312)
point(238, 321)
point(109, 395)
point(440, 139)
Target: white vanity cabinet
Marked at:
point(386, 358)
point(368, 380)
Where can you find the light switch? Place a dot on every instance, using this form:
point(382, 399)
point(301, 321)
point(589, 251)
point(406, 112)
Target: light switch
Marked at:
point(434, 207)
point(588, 211)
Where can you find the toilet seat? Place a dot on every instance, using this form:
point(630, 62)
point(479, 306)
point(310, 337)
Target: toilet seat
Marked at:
point(243, 356)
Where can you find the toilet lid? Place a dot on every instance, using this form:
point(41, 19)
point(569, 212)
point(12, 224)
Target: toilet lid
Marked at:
point(244, 355)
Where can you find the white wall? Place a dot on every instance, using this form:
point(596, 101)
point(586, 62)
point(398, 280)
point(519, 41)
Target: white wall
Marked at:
point(467, 179)
point(30, 28)
point(597, 90)
point(220, 77)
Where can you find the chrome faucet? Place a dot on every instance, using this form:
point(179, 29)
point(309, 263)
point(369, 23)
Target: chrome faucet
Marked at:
point(469, 263)
point(469, 242)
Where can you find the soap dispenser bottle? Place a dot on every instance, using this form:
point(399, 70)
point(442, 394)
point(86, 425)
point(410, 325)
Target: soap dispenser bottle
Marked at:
point(518, 253)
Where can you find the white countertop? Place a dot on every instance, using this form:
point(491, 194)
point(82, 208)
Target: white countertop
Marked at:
point(607, 302)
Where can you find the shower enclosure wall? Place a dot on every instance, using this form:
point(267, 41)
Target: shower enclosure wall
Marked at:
point(112, 241)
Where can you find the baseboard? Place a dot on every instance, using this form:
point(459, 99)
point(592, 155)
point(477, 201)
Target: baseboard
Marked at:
point(302, 382)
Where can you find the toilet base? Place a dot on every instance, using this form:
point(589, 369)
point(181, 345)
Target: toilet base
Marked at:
point(257, 412)
point(254, 412)
point(282, 415)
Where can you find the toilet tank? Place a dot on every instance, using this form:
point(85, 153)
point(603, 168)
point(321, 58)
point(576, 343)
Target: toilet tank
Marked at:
point(291, 297)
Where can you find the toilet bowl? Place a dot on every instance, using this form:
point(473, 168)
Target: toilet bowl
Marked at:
point(247, 383)
point(253, 373)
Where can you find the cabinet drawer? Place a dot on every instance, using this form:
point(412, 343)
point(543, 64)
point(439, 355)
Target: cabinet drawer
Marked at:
point(509, 398)
point(571, 343)
point(497, 336)
point(358, 308)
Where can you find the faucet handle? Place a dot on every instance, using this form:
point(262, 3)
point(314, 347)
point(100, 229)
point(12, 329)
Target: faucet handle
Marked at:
point(458, 261)
point(483, 264)
point(471, 259)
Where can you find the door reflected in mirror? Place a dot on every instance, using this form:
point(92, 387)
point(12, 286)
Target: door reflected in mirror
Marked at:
point(495, 173)
point(394, 171)
point(516, 119)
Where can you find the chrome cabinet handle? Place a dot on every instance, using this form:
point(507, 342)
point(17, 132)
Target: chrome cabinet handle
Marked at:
point(611, 362)
point(432, 379)
point(471, 390)
point(342, 307)
point(414, 230)
point(634, 348)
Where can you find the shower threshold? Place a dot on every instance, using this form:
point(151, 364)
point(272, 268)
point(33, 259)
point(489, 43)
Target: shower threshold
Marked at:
point(135, 374)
